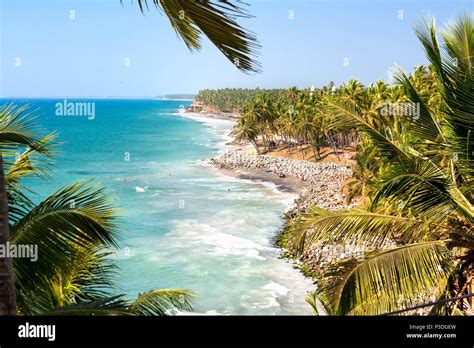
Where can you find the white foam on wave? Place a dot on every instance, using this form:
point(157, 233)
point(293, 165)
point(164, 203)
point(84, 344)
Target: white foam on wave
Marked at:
point(285, 197)
point(217, 127)
point(229, 187)
point(236, 196)
point(200, 244)
point(185, 313)
point(211, 121)
point(141, 189)
point(276, 289)
point(275, 294)
point(218, 243)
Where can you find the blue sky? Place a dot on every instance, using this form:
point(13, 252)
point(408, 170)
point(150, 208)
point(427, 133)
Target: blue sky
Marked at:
point(86, 56)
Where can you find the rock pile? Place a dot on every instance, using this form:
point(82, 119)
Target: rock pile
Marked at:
point(324, 179)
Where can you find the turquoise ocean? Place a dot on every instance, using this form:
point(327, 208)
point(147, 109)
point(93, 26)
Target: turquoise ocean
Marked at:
point(183, 225)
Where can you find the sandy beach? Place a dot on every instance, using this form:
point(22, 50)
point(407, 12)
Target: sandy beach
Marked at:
point(208, 115)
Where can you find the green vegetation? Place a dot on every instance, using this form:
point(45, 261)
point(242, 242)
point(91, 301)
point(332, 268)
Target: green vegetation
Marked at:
point(232, 99)
point(413, 177)
point(417, 223)
point(413, 181)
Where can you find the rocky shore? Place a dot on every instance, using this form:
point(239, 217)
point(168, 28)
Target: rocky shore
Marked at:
point(321, 183)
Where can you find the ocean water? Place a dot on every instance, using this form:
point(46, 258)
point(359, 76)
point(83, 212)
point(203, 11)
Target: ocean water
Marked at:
point(183, 225)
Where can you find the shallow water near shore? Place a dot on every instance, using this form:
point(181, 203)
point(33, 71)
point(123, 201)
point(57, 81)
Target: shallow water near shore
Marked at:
point(183, 224)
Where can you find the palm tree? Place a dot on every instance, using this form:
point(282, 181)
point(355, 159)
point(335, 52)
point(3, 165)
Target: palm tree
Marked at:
point(14, 131)
point(364, 173)
point(74, 274)
point(245, 130)
point(73, 230)
point(418, 231)
point(288, 123)
point(355, 93)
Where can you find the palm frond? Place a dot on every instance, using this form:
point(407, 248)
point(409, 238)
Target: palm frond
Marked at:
point(30, 163)
point(318, 306)
point(17, 128)
point(109, 306)
point(75, 217)
point(218, 21)
point(365, 228)
point(346, 114)
point(161, 302)
point(87, 276)
point(422, 187)
point(424, 126)
point(454, 70)
point(386, 280)
point(152, 303)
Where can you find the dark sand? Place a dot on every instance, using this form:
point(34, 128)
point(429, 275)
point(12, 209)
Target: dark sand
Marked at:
point(289, 184)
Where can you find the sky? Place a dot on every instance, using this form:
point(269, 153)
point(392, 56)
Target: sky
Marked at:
point(105, 49)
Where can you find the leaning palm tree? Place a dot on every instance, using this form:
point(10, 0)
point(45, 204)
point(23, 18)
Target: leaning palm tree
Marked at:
point(245, 130)
point(418, 231)
point(218, 21)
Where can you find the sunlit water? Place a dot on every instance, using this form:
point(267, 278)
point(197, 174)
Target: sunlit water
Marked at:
point(183, 224)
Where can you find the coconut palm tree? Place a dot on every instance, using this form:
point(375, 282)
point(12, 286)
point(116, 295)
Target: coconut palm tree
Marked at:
point(418, 231)
point(14, 131)
point(364, 173)
point(245, 130)
point(288, 123)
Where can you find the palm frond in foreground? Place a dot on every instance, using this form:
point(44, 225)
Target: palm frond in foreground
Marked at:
point(217, 20)
point(418, 227)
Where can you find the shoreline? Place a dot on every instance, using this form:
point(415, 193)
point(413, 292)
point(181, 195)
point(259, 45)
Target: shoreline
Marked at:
point(314, 183)
point(290, 188)
point(283, 185)
point(311, 183)
point(287, 185)
point(317, 184)
point(209, 115)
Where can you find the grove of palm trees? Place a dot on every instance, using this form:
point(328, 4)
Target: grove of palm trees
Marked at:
point(412, 191)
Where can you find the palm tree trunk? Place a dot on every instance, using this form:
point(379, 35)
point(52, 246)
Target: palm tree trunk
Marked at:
point(7, 281)
point(255, 145)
